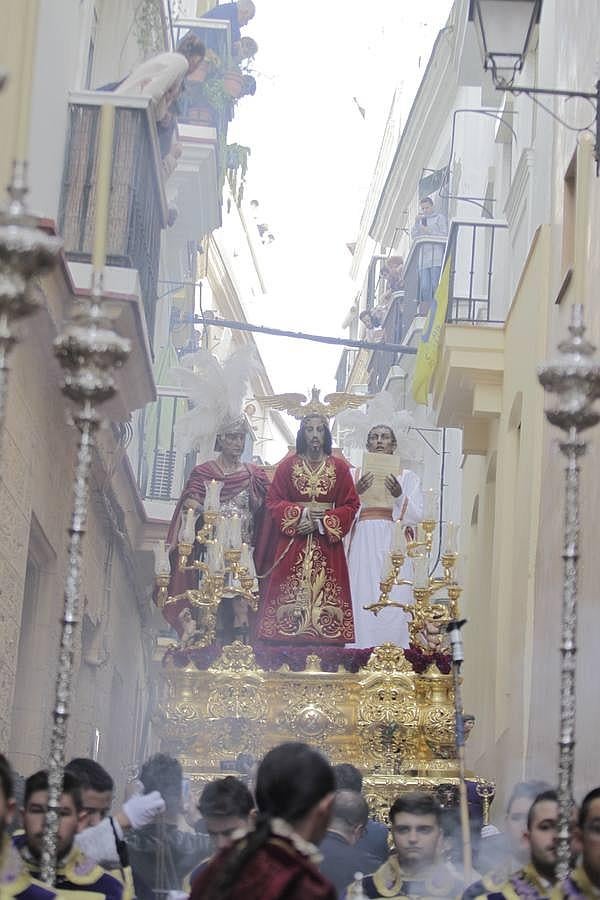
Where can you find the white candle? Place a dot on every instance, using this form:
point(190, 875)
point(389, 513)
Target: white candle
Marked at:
point(213, 496)
point(582, 217)
point(430, 505)
point(421, 572)
point(222, 532)
point(104, 157)
point(161, 556)
point(188, 535)
point(235, 532)
point(398, 538)
point(211, 557)
point(452, 537)
point(244, 556)
point(29, 24)
point(388, 568)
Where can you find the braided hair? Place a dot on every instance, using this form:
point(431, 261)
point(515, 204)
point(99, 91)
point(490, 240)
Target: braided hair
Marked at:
point(291, 780)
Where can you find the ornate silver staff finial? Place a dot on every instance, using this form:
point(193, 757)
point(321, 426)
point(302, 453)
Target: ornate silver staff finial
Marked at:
point(89, 350)
point(25, 253)
point(575, 378)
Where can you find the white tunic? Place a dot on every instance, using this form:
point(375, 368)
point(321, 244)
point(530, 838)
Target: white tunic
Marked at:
point(369, 546)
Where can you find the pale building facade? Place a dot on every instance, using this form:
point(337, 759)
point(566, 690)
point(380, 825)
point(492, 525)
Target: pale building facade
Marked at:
point(78, 46)
point(486, 384)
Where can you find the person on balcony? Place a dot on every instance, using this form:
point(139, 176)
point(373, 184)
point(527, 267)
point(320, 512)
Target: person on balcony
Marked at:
point(238, 15)
point(429, 224)
point(161, 77)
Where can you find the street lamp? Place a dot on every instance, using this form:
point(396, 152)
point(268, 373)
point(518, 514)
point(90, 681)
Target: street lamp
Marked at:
point(504, 30)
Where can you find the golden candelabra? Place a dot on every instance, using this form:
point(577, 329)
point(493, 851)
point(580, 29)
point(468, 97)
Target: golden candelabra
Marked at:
point(226, 569)
point(427, 628)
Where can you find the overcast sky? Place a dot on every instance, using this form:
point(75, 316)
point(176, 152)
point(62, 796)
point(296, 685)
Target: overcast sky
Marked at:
point(313, 155)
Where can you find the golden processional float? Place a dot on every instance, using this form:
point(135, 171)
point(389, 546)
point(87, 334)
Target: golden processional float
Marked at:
point(389, 710)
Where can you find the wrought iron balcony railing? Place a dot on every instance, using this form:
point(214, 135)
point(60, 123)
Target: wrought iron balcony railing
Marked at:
point(477, 288)
point(138, 209)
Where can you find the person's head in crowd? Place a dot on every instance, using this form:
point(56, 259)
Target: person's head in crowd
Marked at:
point(349, 815)
point(226, 806)
point(347, 777)
point(517, 810)
point(193, 49)
point(541, 835)
point(246, 11)
point(248, 48)
point(416, 830)
point(468, 724)
point(587, 835)
point(295, 782)
point(164, 774)
point(7, 795)
point(97, 788)
point(71, 816)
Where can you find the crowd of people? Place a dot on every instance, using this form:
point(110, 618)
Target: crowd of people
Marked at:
point(299, 828)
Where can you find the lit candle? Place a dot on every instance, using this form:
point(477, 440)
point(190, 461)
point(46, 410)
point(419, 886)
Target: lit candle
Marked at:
point(582, 217)
point(421, 572)
point(213, 496)
point(235, 532)
point(398, 538)
point(104, 156)
point(430, 506)
point(222, 532)
point(188, 535)
point(29, 20)
point(244, 555)
point(161, 555)
point(219, 561)
point(452, 537)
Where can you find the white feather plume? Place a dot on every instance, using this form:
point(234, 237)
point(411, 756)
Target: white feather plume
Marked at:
point(216, 392)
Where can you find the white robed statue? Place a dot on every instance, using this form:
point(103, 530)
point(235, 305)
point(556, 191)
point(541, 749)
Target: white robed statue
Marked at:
point(391, 498)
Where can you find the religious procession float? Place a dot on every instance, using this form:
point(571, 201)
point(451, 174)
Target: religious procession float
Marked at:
point(258, 594)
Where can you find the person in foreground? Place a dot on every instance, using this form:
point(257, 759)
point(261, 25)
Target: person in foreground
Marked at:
point(15, 880)
point(537, 877)
point(584, 880)
point(75, 872)
point(415, 869)
point(278, 858)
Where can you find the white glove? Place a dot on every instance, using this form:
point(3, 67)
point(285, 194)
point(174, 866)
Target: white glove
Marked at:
point(142, 809)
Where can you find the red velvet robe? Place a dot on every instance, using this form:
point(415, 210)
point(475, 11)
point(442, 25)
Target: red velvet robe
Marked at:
point(249, 477)
point(276, 871)
point(308, 600)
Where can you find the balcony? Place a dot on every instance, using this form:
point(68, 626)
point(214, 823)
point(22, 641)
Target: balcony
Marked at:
point(138, 208)
point(467, 387)
point(402, 308)
point(477, 277)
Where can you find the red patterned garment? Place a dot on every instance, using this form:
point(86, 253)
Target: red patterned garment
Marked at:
point(276, 871)
point(308, 596)
point(243, 491)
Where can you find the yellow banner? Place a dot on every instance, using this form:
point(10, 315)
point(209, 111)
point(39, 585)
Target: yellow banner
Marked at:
point(429, 348)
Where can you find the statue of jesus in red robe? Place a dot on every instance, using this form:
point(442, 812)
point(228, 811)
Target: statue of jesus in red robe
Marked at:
point(313, 502)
